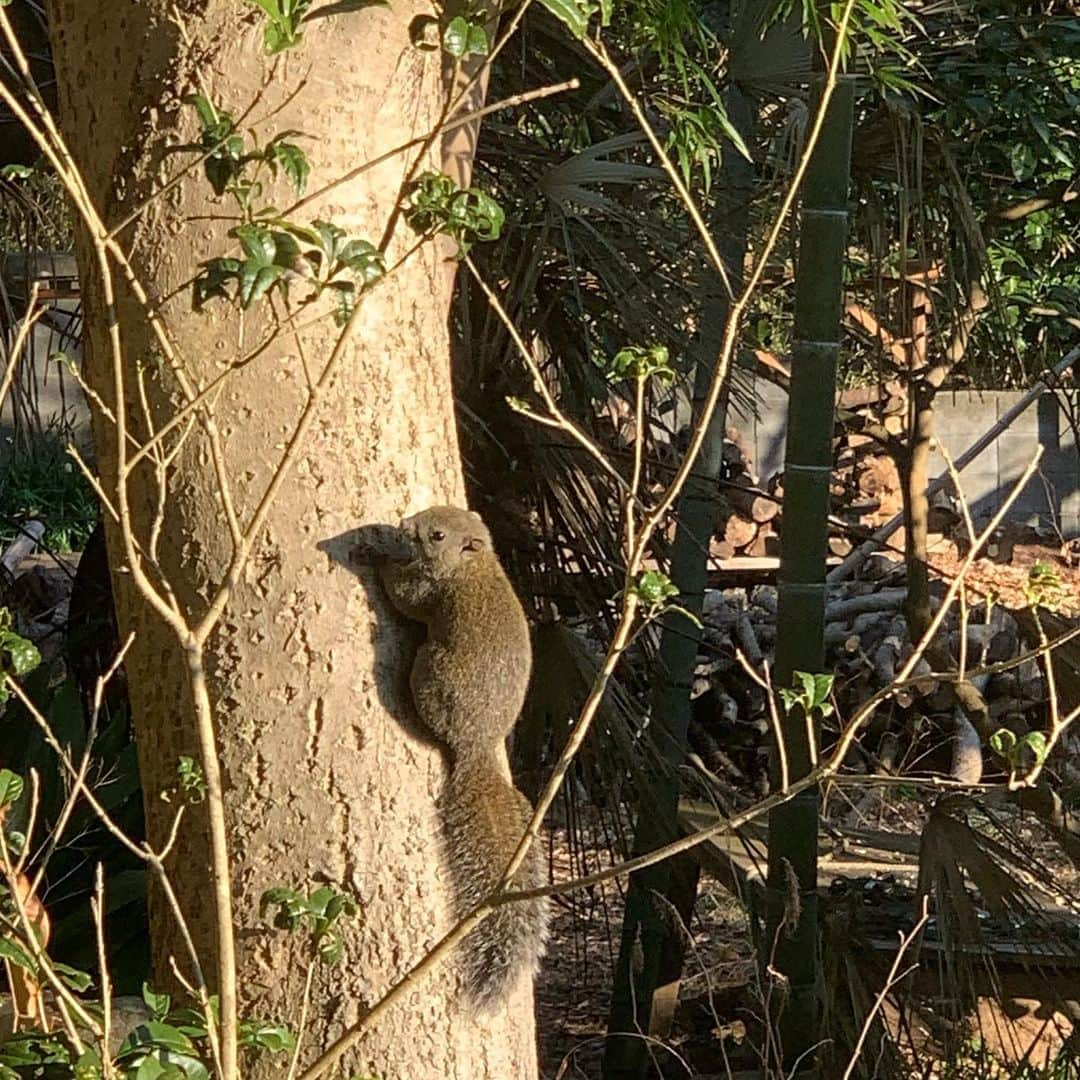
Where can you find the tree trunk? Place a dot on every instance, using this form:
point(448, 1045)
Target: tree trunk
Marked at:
point(325, 775)
point(914, 464)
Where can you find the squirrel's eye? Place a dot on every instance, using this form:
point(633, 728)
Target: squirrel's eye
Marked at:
point(437, 535)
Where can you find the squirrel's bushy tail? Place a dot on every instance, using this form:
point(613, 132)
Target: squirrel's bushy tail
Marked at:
point(484, 818)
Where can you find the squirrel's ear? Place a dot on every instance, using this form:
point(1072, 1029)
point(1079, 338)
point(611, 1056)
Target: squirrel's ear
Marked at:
point(473, 514)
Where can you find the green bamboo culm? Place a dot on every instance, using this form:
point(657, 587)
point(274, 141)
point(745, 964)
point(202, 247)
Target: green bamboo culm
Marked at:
point(791, 943)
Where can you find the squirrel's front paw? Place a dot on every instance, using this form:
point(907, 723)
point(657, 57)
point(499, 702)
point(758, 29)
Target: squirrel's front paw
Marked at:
point(375, 544)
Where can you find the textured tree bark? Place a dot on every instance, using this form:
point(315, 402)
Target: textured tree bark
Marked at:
point(914, 465)
point(326, 776)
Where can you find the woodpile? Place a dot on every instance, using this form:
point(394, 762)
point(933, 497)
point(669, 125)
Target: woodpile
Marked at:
point(865, 493)
point(865, 488)
point(747, 516)
point(867, 644)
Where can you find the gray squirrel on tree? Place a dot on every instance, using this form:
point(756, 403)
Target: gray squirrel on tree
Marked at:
point(468, 685)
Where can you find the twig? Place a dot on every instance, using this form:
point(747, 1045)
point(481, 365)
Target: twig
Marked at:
point(97, 908)
point(558, 418)
point(26, 324)
point(301, 1027)
point(599, 53)
point(28, 934)
point(895, 976)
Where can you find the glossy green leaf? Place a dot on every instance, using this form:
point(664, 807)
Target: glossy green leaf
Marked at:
point(11, 787)
point(455, 37)
point(79, 981)
point(274, 1038)
point(14, 953)
point(574, 14)
point(153, 1034)
point(158, 1004)
point(293, 163)
point(477, 41)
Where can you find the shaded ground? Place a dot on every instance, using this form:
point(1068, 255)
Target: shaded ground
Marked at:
point(574, 986)
point(717, 1029)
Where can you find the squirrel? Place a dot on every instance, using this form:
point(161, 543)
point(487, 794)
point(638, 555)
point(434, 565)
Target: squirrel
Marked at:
point(468, 685)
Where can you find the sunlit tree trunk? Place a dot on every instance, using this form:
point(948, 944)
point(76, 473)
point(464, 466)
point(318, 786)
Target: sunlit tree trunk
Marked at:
point(325, 775)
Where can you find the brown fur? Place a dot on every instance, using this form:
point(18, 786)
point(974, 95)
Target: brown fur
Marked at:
point(468, 683)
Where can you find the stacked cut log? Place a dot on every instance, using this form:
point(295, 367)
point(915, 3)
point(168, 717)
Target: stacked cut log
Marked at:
point(865, 484)
point(865, 488)
point(868, 645)
point(747, 515)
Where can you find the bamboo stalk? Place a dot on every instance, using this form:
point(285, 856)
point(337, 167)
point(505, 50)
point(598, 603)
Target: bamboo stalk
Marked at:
point(791, 941)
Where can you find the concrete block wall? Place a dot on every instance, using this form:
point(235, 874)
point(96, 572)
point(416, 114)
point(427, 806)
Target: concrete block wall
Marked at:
point(1051, 498)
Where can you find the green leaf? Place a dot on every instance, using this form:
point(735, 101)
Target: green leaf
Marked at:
point(18, 656)
point(275, 1038)
point(364, 259)
point(811, 692)
point(16, 172)
point(152, 1069)
point(158, 1004)
point(173, 1066)
point(257, 242)
point(13, 952)
point(816, 688)
point(271, 8)
point(32, 1050)
point(438, 205)
point(464, 38)
point(292, 161)
point(221, 172)
point(320, 898)
point(11, 787)
point(282, 30)
point(278, 37)
point(291, 907)
point(637, 362)
point(341, 7)
point(1022, 160)
point(574, 14)
point(487, 214)
point(256, 281)
point(1002, 742)
point(330, 947)
point(153, 1034)
point(79, 981)
point(345, 301)
point(208, 115)
point(89, 1067)
point(654, 588)
point(476, 43)
point(190, 778)
point(1036, 742)
point(455, 37)
point(340, 904)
